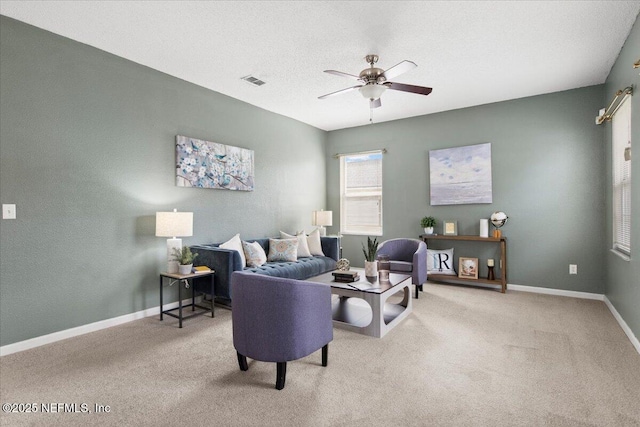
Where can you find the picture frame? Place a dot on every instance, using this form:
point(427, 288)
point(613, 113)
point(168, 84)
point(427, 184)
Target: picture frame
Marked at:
point(468, 268)
point(460, 175)
point(207, 164)
point(450, 228)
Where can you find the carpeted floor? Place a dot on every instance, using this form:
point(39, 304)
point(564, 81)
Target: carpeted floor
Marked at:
point(464, 357)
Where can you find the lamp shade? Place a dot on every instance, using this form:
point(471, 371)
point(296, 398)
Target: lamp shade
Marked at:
point(174, 224)
point(323, 218)
point(372, 91)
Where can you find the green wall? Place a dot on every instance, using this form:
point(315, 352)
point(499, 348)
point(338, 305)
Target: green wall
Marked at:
point(623, 277)
point(548, 176)
point(87, 154)
point(87, 147)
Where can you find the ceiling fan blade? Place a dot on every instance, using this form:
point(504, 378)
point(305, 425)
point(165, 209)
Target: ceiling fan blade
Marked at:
point(339, 92)
point(341, 74)
point(375, 103)
point(421, 90)
point(398, 69)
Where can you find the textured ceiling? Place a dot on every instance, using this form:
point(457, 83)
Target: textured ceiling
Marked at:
point(470, 53)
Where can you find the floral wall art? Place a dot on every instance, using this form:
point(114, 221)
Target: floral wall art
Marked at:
point(207, 164)
point(461, 175)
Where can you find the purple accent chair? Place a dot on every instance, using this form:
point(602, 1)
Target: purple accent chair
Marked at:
point(408, 256)
point(278, 320)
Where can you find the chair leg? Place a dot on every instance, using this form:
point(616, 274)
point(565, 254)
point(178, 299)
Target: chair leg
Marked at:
point(418, 288)
point(325, 355)
point(242, 361)
point(281, 375)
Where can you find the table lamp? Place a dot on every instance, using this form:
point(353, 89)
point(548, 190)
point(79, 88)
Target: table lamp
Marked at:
point(173, 225)
point(322, 218)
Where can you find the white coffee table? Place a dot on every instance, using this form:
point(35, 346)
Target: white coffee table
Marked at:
point(363, 306)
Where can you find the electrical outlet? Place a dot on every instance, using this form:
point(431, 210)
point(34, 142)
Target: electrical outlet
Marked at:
point(8, 211)
point(573, 268)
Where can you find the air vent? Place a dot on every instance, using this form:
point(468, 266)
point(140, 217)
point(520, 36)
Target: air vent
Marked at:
point(254, 81)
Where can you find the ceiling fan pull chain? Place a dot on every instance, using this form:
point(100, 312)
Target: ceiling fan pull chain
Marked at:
point(370, 115)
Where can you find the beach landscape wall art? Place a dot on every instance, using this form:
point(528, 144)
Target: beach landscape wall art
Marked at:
point(460, 175)
point(206, 164)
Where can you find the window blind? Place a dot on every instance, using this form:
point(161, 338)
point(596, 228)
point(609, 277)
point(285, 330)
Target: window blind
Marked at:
point(361, 193)
point(621, 141)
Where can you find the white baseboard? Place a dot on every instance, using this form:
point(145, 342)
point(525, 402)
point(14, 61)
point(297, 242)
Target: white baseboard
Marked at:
point(627, 330)
point(85, 329)
point(107, 323)
point(539, 290)
point(559, 292)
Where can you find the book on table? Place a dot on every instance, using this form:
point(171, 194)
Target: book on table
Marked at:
point(346, 276)
point(201, 269)
point(347, 273)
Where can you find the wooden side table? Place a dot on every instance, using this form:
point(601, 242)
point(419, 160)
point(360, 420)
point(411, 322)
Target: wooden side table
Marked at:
point(184, 278)
point(502, 241)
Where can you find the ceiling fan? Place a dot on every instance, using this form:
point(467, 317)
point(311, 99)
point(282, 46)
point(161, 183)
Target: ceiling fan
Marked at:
point(376, 80)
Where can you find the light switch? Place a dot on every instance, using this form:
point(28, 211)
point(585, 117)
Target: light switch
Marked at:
point(8, 211)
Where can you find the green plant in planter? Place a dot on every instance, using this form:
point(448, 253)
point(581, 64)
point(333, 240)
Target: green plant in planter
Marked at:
point(371, 250)
point(428, 221)
point(184, 256)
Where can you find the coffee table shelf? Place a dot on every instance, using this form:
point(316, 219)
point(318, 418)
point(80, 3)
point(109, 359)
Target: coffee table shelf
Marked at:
point(349, 311)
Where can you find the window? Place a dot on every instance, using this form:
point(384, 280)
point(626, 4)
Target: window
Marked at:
point(361, 193)
point(621, 155)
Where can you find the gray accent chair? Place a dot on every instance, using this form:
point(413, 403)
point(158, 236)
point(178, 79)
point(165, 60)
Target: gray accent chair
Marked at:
point(407, 256)
point(279, 320)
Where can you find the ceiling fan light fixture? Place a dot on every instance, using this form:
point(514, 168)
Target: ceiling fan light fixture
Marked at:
point(372, 90)
point(374, 81)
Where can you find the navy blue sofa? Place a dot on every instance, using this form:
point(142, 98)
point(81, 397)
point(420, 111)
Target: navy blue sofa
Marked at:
point(226, 261)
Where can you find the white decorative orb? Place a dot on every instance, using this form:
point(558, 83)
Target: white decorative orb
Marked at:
point(498, 219)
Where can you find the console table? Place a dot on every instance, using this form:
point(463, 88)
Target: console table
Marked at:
point(502, 241)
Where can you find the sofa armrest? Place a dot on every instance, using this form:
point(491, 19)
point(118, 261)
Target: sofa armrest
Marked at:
point(224, 262)
point(331, 247)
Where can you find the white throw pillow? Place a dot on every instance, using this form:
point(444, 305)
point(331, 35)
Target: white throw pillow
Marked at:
point(303, 246)
point(315, 247)
point(235, 244)
point(254, 253)
point(440, 262)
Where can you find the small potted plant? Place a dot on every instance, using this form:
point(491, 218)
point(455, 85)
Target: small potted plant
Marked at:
point(370, 262)
point(428, 222)
point(185, 259)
